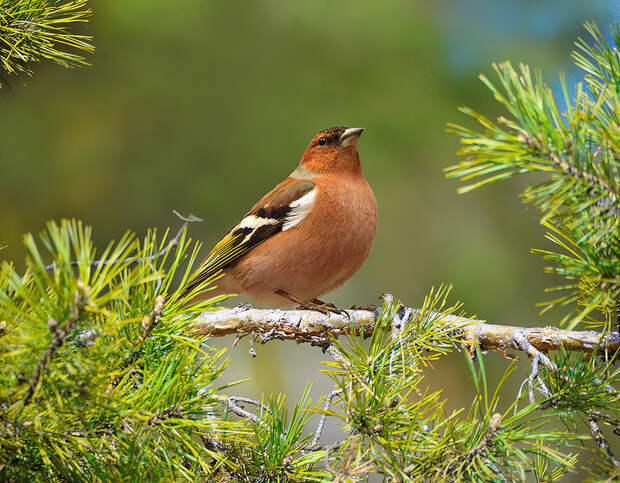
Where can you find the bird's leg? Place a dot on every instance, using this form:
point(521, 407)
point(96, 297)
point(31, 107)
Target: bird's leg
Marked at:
point(314, 304)
point(320, 302)
point(330, 307)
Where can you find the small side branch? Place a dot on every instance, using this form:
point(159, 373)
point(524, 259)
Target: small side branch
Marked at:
point(148, 322)
point(233, 405)
point(601, 442)
point(328, 402)
point(58, 338)
point(165, 414)
point(173, 243)
point(481, 449)
point(566, 163)
point(317, 328)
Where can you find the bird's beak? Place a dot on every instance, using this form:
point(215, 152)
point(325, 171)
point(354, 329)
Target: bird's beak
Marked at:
point(350, 136)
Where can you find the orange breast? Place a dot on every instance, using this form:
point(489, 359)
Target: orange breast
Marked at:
point(319, 254)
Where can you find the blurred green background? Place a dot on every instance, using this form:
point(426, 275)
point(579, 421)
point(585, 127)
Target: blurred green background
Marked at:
point(203, 106)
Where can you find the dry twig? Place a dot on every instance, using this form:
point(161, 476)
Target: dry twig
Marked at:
point(600, 440)
point(233, 404)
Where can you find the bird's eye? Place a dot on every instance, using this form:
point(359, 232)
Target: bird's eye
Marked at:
point(322, 141)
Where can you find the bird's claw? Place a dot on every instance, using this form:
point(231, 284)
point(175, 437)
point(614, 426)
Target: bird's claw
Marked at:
point(324, 308)
point(369, 307)
point(328, 304)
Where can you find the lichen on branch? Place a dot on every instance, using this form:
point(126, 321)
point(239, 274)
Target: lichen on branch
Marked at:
point(317, 328)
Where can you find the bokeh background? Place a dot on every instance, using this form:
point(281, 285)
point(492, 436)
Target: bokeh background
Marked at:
point(204, 106)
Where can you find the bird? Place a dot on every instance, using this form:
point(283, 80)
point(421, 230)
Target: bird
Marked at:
point(305, 237)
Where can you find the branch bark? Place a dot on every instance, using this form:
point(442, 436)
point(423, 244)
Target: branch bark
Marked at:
point(316, 328)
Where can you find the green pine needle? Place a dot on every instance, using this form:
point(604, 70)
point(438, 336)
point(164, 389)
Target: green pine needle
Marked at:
point(35, 30)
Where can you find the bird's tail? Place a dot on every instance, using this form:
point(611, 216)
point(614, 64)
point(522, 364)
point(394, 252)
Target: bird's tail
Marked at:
point(226, 251)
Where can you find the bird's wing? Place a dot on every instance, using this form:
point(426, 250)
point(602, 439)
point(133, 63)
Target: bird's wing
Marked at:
point(284, 207)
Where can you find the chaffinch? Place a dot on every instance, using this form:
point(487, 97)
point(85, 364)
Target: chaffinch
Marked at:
point(304, 238)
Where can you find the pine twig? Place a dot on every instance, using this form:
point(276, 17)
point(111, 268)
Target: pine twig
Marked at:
point(170, 412)
point(481, 448)
point(35, 30)
point(565, 165)
point(601, 442)
point(148, 323)
point(58, 338)
point(328, 402)
point(233, 404)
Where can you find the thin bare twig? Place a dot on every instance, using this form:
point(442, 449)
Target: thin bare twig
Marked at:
point(326, 463)
point(174, 242)
point(481, 448)
point(170, 412)
point(336, 356)
point(533, 378)
point(328, 402)
point(232, 403)
point(601, 442)
point(148, 323)
point(58, 338)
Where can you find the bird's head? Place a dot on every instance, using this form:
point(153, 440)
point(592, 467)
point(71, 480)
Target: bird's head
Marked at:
point(334, 150)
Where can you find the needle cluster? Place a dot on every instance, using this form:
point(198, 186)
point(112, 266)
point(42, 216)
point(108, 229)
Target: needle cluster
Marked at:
point(577, 150)
point(35, 30)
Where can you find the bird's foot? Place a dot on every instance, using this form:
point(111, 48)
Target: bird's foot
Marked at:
point(324, 308)
point(369, 307)
point(314, 304)
point(325, 304)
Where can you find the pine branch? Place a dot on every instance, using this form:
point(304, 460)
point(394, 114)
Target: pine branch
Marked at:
point(33, 30)
point(317, 329)
point(578, 150)
point(566, 162)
